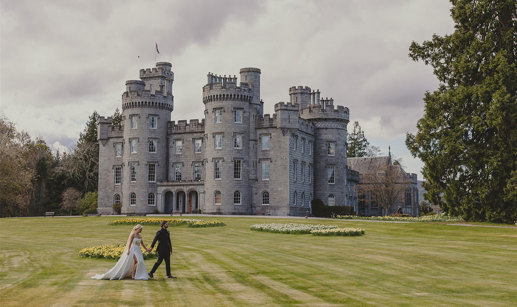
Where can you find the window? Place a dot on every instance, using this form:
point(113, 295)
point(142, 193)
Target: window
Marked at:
point(295, 196)
point(295, 142)
point(331, 148)
point(310, 148)
point(330, 174)
point(152, 146)
point(177, 171)
point(302, 172)
point(237, 169)
point(218, 115)
point(295, 170)
point(118, 174)
point(236, 198)
point(132, 172)
point(265, 170)
point(237, 141)
point(217, 197)
point(197, 145)
point(303, 145)
point(133, 121)
point(264, 141)
point(265, 198)
point(118, 149)
point(152, 172)
point(153, 121)
point(179, 146)
point(151, 199)
point(407, 201)
point(310, 173)
point(237, 116)
point(217, 169)
point(218, 141)
point(331, 200)
point(302, 199)
point(133, 145)
point(197, 171)
point(132, 199)
point(116, 199)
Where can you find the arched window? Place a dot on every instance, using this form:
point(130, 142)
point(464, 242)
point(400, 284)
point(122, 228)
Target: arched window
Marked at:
point(116, 199)
point(332, 200)
point(236, 198)
point(302, 200)
point(217, 197)
point(151, 200)
point(265, 198)
point(132, 199)
point(295, 196)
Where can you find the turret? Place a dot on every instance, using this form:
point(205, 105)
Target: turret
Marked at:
point(251, 76)
point(300, 95)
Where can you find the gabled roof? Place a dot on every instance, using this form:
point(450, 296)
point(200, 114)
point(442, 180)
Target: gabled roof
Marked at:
point(368, 165)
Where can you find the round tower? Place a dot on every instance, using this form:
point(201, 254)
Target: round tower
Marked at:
point(300, 95)
point(146, 109)
point(330, 134)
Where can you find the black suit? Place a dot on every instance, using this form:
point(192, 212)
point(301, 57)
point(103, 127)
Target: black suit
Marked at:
point(164, 250)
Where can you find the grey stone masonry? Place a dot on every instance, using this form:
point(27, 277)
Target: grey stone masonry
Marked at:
point(236, 160)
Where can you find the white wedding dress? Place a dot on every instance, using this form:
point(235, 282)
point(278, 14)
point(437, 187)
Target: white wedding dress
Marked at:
point(125, 264)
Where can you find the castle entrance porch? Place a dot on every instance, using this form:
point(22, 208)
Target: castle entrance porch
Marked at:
point(180, 202)
point(193, 202)
point(168, 202)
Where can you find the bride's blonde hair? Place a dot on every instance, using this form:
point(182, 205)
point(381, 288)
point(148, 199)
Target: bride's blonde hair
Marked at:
point(138, 226)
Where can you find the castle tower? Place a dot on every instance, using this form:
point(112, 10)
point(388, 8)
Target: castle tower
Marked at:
point(146, 108)
point(330, 134)
point(230, 115)
point(301, 95)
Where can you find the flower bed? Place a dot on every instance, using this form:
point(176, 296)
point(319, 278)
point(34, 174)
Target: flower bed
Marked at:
point(111, 251)
point(425, 218)
point(290, 228)
point(338, 232)
point(172, 222)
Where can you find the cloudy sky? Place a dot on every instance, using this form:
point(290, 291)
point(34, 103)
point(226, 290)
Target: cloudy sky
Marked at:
point(61, 60)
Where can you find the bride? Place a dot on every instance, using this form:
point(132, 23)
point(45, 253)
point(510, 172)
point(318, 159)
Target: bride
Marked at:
point(131, 262)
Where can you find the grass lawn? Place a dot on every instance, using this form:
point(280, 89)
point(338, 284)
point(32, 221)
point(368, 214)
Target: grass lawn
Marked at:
point(392, 264)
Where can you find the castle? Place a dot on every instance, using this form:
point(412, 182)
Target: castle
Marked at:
point(236, 160)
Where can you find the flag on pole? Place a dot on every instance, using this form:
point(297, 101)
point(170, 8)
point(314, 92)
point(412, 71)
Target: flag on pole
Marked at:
point(158, 51)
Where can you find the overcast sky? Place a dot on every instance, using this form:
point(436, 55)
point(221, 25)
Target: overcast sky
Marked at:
point(61, 60)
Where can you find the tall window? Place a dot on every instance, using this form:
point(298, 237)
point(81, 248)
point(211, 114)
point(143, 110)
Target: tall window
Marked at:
point(151, 199)
point(310, 173)
point(197, 171)
point(179, 146)
point(302, 199)
point(197, 145)
point(152, 172)
point(237, 169)
point(118, 149)
point(310, 148)
point(237, 116)
point(177, 171)
point(264, 141)
point(153, 121)
point(295, 142)
point(407, 202)
point(330, 174)
point(152, 146)
point(265, 169)
point(217, 197)
point(133, 121)
point(132, 199)
point(133, 145)
point(237, 141)
point(118, 174)
point(303, 145)
point(218, 141)
point(217, 169)
point(236, 198)
point(132, 172)
point(218, 115)
point(295, 170)
point(331, 200)
point(295, 197)
point(331, 148)
point(302, 172)
point(265, 198)
point(116, 199)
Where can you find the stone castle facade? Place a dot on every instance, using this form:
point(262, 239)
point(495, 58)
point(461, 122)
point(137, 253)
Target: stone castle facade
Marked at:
point(236, 160)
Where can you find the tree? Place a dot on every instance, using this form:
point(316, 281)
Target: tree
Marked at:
point(117, 118)
point(88, 204)
point(357, 142)
point(386, 186)
point(467, 137)
point(70, 200)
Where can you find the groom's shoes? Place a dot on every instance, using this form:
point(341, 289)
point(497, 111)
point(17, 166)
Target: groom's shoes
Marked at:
point(151, 275)
point(170, 276)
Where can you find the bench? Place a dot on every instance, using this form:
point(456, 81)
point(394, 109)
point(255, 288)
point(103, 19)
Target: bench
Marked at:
point(49, 214)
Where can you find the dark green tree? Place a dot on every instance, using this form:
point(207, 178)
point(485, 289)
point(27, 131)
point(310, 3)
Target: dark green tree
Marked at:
point(467, 138)
point(357, 142)
point(117, 118)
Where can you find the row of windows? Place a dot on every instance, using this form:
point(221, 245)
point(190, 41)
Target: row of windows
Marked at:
point(151, 199)
point(237, 198)
point(304, 146)
point(237, 169)
point(237, 115)
point(302, 201)
point(151, 172)
point(153, 121)
point(302, 172)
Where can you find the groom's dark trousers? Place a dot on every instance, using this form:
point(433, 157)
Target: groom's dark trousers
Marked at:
point(164, 250)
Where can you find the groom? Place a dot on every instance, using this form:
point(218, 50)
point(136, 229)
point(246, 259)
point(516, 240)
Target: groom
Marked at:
point(164, 249)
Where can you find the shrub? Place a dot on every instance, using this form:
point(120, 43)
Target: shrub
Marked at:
point(117, 208)
point(338, 232)
point(88, 204)
point(319, 209)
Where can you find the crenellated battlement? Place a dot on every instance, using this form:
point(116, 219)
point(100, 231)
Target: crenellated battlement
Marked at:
point(140, 97)
point(329, 112)
point(162, 69)
point(266, 121)
point(193, 126)
point(289, 106)
point(106, 129)
point(299, 89)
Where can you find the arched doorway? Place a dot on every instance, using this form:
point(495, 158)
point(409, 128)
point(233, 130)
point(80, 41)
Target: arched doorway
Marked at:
point(168, 203)
point(193, 203)
point(180, 202)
